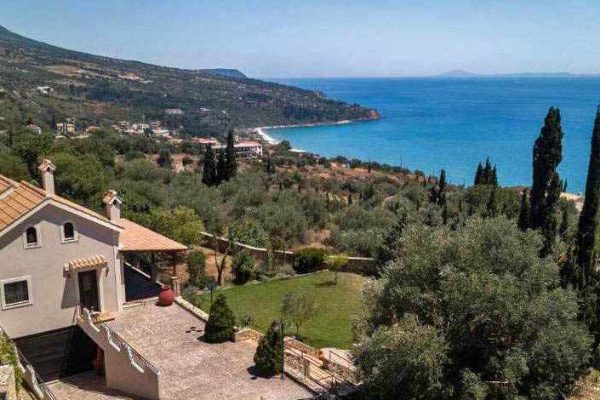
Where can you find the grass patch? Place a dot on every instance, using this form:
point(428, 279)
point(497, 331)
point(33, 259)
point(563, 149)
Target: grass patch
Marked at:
point(335, 304)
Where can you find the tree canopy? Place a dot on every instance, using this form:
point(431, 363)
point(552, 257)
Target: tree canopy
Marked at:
point(493, 309)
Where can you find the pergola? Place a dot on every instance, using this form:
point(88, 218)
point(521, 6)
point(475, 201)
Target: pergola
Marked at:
point(137, 239)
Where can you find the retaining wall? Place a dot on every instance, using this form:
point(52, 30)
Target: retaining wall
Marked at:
point(359, 265)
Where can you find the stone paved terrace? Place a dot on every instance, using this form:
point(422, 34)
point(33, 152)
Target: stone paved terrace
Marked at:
point(86, 386)
point(169, 337)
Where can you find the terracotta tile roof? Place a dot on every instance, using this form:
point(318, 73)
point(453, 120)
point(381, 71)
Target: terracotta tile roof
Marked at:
point(90, 262)
point(81, 208)
point(17, 199)
point(248, 144)
point(5, 184)
point(137, 238)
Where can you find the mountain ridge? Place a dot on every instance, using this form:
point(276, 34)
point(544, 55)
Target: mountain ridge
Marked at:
point(101, 90)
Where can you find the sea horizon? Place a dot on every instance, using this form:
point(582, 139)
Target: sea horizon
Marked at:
point(452, 123)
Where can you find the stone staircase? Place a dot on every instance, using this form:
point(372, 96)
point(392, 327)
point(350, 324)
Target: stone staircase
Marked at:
point(322, 376)
point(125, 369)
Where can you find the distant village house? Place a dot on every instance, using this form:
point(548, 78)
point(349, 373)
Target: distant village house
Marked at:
point(65, 128)
point(35, 129)
point(206, 142)
point(174, 111)
point(245, 149)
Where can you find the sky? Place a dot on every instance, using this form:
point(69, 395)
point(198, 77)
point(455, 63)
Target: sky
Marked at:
point(324, 38)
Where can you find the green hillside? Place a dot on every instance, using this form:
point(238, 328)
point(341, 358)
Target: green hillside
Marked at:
point(100, 90)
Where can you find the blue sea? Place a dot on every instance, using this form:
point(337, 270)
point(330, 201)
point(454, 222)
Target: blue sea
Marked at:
point(454, 123)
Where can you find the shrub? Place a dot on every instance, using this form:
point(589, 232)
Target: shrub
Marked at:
point(246, 319)
point(309, 260)
point(196, 267)
point(164, 158)
point(269, 353)
point(243, 268)
point(8, 356)
point(204, 280)
point(219, 327)
point(187, 160)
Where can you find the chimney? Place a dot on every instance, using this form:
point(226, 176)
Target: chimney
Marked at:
point(113, 206)
point(47, 170)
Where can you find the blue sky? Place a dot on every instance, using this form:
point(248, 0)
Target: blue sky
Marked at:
point(324, 38)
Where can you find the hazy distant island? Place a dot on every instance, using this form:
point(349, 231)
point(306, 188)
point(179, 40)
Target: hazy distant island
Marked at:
point(461, 73)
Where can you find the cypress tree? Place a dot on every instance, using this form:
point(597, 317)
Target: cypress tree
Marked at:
point(487, 172)
point(442, 189)
point(547, 154)
point(588, 220)
point(479, 175)
point(569, 270)
point(269, 353)
point(434, 194)
point(564, 225)
point(551, 212)
point(230, 160)
point(209, 174)
point(219, 327)
point(524, 211)
point(492, 208)
point(270, 169)
point(221, 171)
point(486, 175)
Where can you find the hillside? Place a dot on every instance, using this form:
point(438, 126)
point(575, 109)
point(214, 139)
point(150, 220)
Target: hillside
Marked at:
point(100, 90)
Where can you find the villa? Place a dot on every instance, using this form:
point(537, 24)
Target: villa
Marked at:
point(245, 149)
point(205, 143)
point(65, 128)
point(78, 297)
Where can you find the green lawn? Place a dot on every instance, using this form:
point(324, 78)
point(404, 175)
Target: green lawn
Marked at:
point(335, 304)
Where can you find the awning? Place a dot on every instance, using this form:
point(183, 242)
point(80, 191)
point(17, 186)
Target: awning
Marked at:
point(137, 238)
point(89, 262)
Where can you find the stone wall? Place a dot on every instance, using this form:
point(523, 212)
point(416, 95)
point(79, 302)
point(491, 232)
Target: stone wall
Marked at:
point(358, 265)
point(349, 374)
point(191, 308)
point(247, 334)
point(300, 346)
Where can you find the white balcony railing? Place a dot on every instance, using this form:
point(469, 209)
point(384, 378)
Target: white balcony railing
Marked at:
point(117, 343)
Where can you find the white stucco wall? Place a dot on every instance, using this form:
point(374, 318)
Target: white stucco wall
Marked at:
point(54, 292)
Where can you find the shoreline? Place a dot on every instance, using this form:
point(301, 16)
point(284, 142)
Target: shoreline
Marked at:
point(576, 198)
point(262, 130)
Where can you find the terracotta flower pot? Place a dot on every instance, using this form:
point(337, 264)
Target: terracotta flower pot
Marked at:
point(166, 296)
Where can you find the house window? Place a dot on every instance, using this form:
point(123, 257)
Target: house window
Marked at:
point(68, 232)
point(16, 292)
point(31, 237)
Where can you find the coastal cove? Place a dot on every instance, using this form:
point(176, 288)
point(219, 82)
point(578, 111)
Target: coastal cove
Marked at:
point(454, 123)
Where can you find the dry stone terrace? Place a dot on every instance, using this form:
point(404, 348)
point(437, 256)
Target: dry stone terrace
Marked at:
point(170, 338)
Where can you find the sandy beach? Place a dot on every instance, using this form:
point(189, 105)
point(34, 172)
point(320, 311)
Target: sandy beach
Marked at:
point(264, 135)
point(262, 131)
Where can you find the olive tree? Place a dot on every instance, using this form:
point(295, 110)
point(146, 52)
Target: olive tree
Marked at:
point(510, 330)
